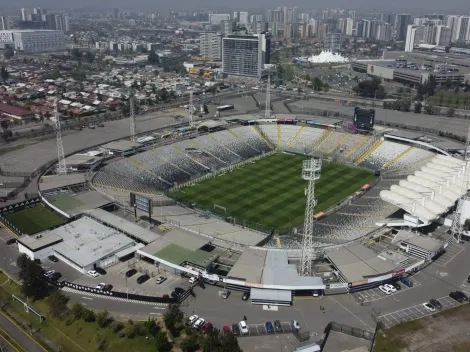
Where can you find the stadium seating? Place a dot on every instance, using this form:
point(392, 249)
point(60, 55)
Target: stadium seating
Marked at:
point(181, 160)
point(304, 142)
point(210, 145)
point(270, 132)
point(330, 143)
point(196, 153)
point(235, 144)
point(385, 153)
point(250, 137)
point(288, 133)
point(412, 159)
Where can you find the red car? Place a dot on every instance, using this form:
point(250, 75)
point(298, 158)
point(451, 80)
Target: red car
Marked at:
point(206, 327)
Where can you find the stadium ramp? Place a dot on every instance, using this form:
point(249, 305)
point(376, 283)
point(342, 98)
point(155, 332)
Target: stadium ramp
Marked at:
point(341, 141)
point(395, 159)
point(263, 137)
point(356, 147)
point(369, 151)
point(320, 140)
point(292, 142)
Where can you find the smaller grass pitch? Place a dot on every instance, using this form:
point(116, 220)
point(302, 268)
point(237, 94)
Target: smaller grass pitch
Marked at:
point(271, 192)
point(34, 220)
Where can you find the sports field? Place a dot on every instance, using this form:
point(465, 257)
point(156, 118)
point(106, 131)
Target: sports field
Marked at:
point(271, 191)
point(34, 220)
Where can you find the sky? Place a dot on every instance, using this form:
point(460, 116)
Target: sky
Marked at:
point(417, 6)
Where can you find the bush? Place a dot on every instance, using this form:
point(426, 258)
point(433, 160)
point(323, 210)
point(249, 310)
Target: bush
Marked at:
point(100, 343)
point(121, 334)
point(117, 326)
point(88, 315)
point(103, 318)
point(76, 311)
point(134, 330)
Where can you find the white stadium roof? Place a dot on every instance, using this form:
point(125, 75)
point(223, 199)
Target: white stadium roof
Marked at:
point(432, 191)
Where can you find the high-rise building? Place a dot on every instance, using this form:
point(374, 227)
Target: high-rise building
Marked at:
point(33, 41)
point(313, 26)
point(260, 27)
point(275, 16)
point(333, 42)
point(243, 17)
point(235, 16)
point(216, 18)
point(401, 25)
point(210, 45)
point(462, 31)
point(244, 55)
point(443, 35)
point(4, 23)
point(228, 27)
point(411, 36)
point(25, 15)
point(256, 18)
point(116, 13)
point(349, 26)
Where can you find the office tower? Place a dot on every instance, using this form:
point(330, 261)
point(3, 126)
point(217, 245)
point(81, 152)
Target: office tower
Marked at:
point(443, 35)
point(275, 16)
point(349, 26)
point(304, 16)
point(462, 29)
point(288, 15)
point(402, 21)
point(333, 42)
point(256, 18)
point(25, 15)
point(411, 35)
point(243, 55)
point(243, 17)
point(313, 25)
point(235, 16)
point(294, 13)
point(228, 27)
point(260, 27)
point(216, 18)
point(210, 45)
point(5, 25)
point(383, 31)
point(116, 13)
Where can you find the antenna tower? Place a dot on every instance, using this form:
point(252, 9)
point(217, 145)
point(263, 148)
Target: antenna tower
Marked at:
point(132, 117)
point(457, 222)
point(310, 172)
point(61, 166)
point(190, 107)
point(267, 111)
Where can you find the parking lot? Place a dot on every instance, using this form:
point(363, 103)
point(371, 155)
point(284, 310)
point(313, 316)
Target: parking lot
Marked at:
point(465, 287)
point(375, 294)
point(116, 276)
point(451, 252)
point(415, 312)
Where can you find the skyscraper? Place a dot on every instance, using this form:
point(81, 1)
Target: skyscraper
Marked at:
point(244, 55)
point(243, 17)
point(401, 25)
point(410, 37)
point(216, 18)
point(333, 42)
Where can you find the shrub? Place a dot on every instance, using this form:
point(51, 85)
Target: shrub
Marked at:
point(117, 326)
point(88, 315)
point(102, 318)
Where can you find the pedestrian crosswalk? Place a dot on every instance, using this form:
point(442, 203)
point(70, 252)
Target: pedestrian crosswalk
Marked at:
point(68, 289)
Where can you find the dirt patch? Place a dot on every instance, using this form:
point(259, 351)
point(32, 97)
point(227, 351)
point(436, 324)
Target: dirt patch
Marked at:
point(445, 331)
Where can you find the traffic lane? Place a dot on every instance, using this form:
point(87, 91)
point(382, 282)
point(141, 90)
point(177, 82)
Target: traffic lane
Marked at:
point(7, 346)
point(19, 335)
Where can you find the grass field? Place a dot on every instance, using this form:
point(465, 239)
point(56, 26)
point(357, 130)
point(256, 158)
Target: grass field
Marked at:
point(271, 191)
point(34, 220)
point(458, 100)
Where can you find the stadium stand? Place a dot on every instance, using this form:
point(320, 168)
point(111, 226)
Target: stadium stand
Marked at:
point(251, 137)
point(330, 143)
point(288, 133)
point(413, 158)
point(210, 145)
point(270, 132)
point(305, 140)
point(385, 153)
point(233, 143)
point(181, 160)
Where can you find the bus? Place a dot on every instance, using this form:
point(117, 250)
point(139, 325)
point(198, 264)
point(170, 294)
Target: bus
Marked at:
point(286, 121)
point(225, 107)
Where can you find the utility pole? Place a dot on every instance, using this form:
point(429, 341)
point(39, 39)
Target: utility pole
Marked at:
point(61, 166)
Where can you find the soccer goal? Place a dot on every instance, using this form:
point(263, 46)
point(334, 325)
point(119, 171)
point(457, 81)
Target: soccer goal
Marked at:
point(216, 206)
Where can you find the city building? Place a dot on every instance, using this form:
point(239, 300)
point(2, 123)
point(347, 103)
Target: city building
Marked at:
point(333, 42)
point(244, 55)
point(228, 27)
point(4, 23)
point(33, 41)
point(443, 35)
point(210, 45)
point(14, 112)
point(216, 18)
point(243, 17)
point(401, 25)
point(411, 35)
point(349, 26)
point(260, 27)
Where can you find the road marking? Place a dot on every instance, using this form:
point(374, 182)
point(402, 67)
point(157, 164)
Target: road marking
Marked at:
point(11, 321)
point(354, 315)
point(91, 299)
point(8, 342)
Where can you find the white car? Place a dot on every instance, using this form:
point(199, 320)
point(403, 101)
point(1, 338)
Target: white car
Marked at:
point(49, 273)
point(193, 279)
point(392, 289)
point(198, 323)
point(192, 319)
point(100, 286)
point(429, 307)
point(92, 273)
point(243, 327)
point(295, 324)
point(385, 289)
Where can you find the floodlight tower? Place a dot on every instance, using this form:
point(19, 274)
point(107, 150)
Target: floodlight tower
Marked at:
point(132, 117)
point(61, 166)
point(267, 110)
point(190, 107)
point(457, 222)
point(310, 172)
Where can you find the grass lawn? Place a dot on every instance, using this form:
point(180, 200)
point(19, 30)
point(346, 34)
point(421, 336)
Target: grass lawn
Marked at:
point(34, 220)
point(65, 202)
point(271, 191)
point(460, 100)
point(76, 337)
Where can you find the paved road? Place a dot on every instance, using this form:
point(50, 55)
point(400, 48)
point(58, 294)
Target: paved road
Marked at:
point(19, 335)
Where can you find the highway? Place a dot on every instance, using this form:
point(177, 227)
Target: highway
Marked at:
point(19, 336)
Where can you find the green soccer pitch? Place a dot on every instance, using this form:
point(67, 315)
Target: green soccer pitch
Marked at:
point(271, 192)
point(34, 220)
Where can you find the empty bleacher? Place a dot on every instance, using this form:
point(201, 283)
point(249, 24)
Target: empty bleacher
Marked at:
point(385, 153)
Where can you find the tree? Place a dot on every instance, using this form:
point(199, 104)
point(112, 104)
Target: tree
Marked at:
point(229, 343)
point(189, 344)
point(161, 342)
point(88, 315)
point(450, 112)
point(103, 318)
point(4, 74)
point(77, 310)
point(30, 274)
point(418, 107)
point(173, 317)
point(8, 54)
point(57, 303)
point(205, 108)
point(4, 124)
point(317, 84)
point(429, 109)
point(371, 88)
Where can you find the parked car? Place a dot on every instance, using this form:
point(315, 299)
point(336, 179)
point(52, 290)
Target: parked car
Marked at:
point(100, 125)
point(175, 295)
point(396, 285)
point(179, 290)
point(295, 324)
point(131, 272)
point(206, 327)
point(100, 271)
point(53, 258)
point(191, 320)
point(277, 326)
point(142, 278)
point(225, 294)
point(49, 273)
point(225, 329)
point(198, 323)
point(455, 296)
point(100, 286)
point(235, 330)
point(192, 279)
point(385, 289)
point(269, 327)
point(391, 288)
point(160, 280)
point(108, 287)
point(92, 273)
point(91, 126)
point(243, 327)
point(434, 302)
point(246, 295)
point(429, 307)
point(407, 282)
point(462, 295)
point(56, 276)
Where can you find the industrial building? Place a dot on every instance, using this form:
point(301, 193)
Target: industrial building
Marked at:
point(34, 41)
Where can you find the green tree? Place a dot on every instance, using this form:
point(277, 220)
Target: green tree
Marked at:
point(450, 112)
point(317, 84)
point(30, 274)
point(429, 109)
point(7, 134)
point(57, 303)
point(173, 317)
point(88, 315)
point(103, 318)
point(76, 310)
point(418, 107)
point(370, 88)
point(161, 342)
point(229, 343)
point(190, 343)
point(205, 108)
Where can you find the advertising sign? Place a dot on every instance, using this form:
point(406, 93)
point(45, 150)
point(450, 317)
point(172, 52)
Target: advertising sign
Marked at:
point(379, 278)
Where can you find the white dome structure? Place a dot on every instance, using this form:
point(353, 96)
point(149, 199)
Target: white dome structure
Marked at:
point(327, 56)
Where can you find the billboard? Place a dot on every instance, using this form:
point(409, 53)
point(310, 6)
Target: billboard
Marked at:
point(141, 203)
point(364, 118)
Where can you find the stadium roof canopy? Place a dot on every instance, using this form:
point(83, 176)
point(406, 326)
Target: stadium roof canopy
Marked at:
point(431, 191)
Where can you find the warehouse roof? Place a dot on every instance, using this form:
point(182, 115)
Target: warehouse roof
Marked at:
point(14, 110)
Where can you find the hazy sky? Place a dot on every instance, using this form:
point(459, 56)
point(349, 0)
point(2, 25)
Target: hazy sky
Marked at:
point(418, 6)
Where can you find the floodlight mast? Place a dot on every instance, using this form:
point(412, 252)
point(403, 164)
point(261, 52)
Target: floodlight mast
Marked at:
point(267, 109)
point(61, 166)
point(311, 170)
point(191, 108)
point(132, 117)
point(458, 221)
